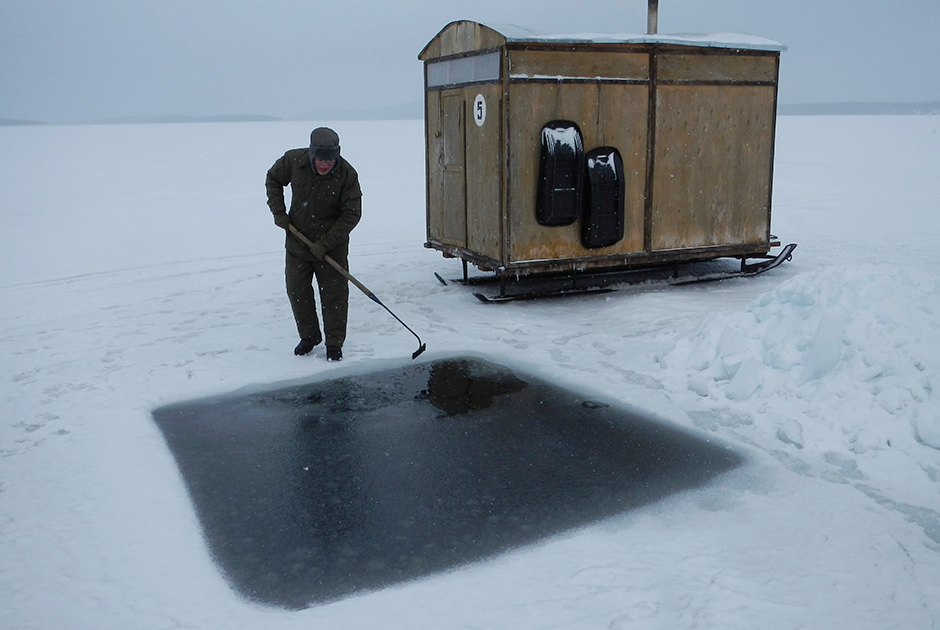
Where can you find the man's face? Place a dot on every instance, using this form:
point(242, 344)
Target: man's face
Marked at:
point(323, 166)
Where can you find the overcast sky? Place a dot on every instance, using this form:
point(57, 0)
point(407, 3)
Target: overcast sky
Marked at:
point(79, 60)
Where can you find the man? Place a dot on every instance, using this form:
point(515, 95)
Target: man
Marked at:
point(325, 206)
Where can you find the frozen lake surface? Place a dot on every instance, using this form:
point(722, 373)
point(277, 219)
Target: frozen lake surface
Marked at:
point(140, 268)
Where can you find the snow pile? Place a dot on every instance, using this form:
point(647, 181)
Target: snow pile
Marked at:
point(841, 362)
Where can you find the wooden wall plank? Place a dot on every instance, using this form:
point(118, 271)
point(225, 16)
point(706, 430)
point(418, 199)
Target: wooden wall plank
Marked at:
point(712, 165)
point(622, 122)
point(435, 165)
point(712, 67)
point(607, 114)
point(454, 193)
point(563, 63)
point(484, 172)
point(462, 37)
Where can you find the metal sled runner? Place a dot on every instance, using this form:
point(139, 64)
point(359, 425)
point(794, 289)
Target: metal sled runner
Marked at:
point(509, 288)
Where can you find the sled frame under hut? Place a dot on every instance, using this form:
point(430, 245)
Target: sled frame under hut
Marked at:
point(680, 130)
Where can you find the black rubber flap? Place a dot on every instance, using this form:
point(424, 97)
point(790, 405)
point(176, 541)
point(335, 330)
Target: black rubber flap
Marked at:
point(561, 174)
point(602, 223)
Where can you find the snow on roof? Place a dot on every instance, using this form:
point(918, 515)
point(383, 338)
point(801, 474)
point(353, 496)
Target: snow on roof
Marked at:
point(514, 33)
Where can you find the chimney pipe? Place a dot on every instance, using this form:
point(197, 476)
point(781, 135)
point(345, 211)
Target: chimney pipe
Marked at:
point(652, 20)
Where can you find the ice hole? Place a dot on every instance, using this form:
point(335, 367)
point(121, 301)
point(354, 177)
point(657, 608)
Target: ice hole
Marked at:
point(311, 493)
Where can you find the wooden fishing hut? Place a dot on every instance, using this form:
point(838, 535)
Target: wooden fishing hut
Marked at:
point(683, 125)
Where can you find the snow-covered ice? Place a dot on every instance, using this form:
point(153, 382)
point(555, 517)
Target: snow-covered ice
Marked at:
point(140, 266)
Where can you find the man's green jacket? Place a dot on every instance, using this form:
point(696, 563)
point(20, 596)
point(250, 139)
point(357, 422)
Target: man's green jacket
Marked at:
point(324, 207)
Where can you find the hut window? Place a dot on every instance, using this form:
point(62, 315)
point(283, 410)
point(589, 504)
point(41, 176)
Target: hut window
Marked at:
point(474, 69)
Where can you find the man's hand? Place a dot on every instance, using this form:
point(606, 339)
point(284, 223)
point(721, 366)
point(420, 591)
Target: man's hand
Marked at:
point(318, 250)
point(282, 220)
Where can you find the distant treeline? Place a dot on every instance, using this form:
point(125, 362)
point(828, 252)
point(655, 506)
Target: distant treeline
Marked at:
point(12, 122)
point(415, 111)
point(178, 118)
point(153, 120)
point(405, 111)
point(856, 109)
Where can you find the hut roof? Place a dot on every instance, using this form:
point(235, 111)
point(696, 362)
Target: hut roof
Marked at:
point(514, 33)
point(517, 34)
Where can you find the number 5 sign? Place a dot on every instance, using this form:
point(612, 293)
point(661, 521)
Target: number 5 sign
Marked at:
point(479, 110)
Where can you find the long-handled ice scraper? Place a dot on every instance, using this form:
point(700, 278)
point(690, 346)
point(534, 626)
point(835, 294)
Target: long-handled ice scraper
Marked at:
point(306, 241)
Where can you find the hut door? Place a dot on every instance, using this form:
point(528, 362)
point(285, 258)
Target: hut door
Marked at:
point(454, 183)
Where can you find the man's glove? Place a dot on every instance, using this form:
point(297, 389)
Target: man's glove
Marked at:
point(282, 220)
point(318, 249)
